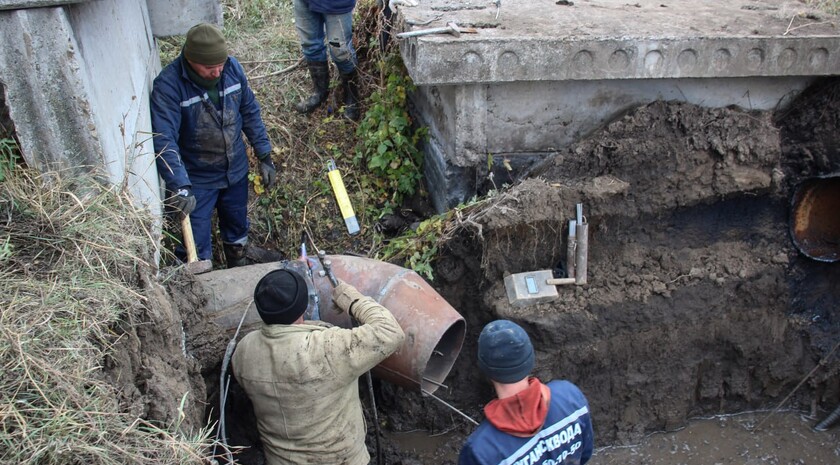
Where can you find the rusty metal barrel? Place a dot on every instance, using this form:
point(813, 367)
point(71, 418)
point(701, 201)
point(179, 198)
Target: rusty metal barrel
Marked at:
point(434, 329)
point(815, 217)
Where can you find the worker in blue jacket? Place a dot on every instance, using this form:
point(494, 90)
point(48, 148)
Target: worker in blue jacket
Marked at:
point(201, 104)
point(530, 422)
point(328, 22)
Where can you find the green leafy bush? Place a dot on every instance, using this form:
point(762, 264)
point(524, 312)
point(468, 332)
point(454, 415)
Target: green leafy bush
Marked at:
point(388, 141)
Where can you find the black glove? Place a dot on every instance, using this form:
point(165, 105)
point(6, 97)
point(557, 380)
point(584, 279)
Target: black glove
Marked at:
point(183, 201)
point(268, 172)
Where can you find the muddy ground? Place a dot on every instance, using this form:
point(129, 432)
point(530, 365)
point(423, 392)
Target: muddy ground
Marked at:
point(698, 302)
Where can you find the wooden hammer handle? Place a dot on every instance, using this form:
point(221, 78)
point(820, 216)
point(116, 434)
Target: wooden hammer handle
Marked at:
point(189, 240)
point(559, 281)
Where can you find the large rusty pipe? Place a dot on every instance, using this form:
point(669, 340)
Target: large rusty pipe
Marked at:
point(434, 329)
point(815, 217)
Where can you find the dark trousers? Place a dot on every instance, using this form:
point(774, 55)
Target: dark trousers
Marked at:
point(231, 205)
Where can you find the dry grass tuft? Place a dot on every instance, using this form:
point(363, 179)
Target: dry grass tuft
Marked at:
point(829, 6)
point(69, 269)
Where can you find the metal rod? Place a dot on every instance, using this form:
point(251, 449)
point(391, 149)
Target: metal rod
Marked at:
point(412, 379)
point(435, 383)
point(571, 244)
point(369, 379)
point(451, 407)
point(581, 246)
point(813, 370)
point(423, 32)
point(582, 253)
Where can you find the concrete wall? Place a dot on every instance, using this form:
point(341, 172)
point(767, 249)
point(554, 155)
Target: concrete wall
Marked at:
point(118, 61)
point(77, 77)
point(176, 17)
point(21, 4)
point(77, 82)
point(46, 89)
point(526, 121)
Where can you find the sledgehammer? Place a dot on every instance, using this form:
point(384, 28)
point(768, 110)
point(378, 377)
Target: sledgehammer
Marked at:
point(534, 287)
point(194, 265)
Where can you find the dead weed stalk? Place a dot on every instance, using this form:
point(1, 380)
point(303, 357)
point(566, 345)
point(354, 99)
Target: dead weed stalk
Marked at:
point(69, 275)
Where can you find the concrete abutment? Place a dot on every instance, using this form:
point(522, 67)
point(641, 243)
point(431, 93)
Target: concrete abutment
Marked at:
point(538, 77)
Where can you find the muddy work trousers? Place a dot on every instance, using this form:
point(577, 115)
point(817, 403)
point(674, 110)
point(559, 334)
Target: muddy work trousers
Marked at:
point(231, 205)
point(316, 30)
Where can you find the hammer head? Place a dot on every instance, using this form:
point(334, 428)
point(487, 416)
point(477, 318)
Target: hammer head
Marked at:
point(454, 29)
point(530, 288)
point(199, 266)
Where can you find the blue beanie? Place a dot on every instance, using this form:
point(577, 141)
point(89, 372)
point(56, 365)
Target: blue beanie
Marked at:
point(505, 353)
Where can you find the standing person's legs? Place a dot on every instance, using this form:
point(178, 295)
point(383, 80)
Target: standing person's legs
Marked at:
point(310, 28)
point(232, 207)
point(339, 33)
point(201, 219)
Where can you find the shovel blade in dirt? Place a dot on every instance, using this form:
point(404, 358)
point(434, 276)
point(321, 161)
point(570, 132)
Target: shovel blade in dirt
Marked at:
point(533, 287)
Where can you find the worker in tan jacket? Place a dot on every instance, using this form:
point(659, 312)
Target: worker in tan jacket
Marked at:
point(302, 377)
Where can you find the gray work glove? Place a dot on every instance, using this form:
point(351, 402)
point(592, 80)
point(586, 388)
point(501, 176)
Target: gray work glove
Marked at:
point(183, 202)
point(345, 295)
point(268, 172)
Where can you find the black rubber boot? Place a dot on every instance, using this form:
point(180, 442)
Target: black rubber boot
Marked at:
point(235, 255)
point(351, 95)
point(319, 71)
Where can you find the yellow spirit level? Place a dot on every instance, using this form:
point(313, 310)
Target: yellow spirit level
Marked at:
point(343, 200)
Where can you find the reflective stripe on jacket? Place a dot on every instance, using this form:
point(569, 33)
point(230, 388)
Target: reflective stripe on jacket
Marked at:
point(198, 144)
point(566, 438)
point(303, 382)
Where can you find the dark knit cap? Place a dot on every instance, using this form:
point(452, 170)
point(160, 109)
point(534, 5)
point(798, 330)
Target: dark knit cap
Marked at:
point(281, 297)
point(505, 353)
point(205, 45)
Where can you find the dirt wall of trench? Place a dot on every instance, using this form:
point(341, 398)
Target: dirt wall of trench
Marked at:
point(697, 302)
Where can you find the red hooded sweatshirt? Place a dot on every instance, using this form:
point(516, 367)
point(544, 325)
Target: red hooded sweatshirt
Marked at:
point(522, 414)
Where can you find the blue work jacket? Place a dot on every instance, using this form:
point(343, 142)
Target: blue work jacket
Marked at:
point(332, 7)
point(566, 437)
point(197, 143)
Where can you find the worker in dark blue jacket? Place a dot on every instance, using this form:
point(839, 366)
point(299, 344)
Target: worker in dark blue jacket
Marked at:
point(200, 105)
point(530, 422)
point(328, 22)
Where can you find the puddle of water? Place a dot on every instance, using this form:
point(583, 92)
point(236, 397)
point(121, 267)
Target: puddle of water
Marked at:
point(784, 438)
point(423, 445)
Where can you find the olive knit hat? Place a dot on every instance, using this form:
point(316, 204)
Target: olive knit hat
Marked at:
point(281, 297)
point(505, 353)
point(205, 45)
